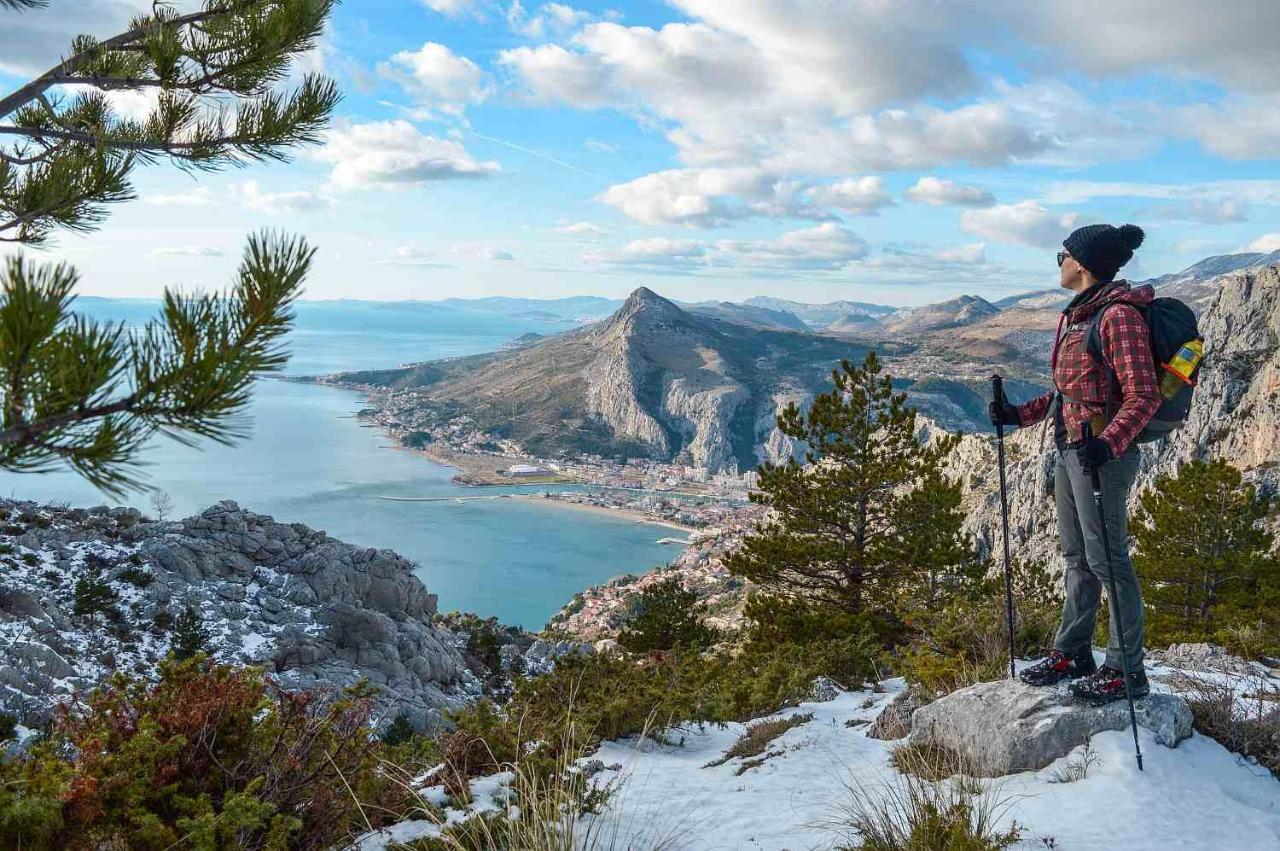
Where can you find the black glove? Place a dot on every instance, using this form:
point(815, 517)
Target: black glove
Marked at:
point(1093, 453)
point(1004, 414)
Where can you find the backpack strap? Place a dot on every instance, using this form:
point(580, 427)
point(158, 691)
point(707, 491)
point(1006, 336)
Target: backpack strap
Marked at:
point(1093, 345)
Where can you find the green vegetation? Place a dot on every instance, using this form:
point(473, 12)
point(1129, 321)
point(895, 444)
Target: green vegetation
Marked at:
point(868, 519)
point(207, 757)
point(1208, 564)
point(666, 616)
point(93, 596)
point(189, 635)
point(88, 395)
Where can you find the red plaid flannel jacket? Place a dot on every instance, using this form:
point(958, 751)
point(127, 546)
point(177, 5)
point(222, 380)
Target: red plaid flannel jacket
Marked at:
point(1126, 347)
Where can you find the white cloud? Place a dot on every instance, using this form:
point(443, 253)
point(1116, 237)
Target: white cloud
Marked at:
point(973, 253)
point(583, 229)
point(31, 41)
point(252, 196)
point(1024, 223)
point(451, 8)
point(1266, 243)
point(394, 155)
point(939, 192)
point(1247, 191)
point(1233, 43)
point(199, 196)
point(481, 251)
point(654, 251)
point(859, 196)
point(552, 74)
point(827, 246)
point(709, 197)
point(412, 255)
point(599, 146)
point(1203, 210)
point(551, 19)
point(1239, 129)
point(186, 251)
point(436, 77)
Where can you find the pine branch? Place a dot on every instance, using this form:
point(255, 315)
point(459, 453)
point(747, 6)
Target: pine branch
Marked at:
point(68, 161)
point(188, 373)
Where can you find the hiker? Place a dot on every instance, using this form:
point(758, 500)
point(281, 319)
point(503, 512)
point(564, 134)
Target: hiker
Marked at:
point(1116, 398)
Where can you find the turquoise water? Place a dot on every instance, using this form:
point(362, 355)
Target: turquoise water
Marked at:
point(308, 460)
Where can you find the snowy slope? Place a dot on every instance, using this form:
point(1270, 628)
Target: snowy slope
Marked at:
point(1197, 796)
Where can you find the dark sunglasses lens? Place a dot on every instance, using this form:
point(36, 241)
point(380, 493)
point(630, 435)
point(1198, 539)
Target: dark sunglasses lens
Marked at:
point(1062, 258)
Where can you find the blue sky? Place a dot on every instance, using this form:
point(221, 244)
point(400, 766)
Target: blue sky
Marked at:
point(899, 152)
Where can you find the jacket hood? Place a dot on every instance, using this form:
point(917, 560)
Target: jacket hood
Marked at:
point(1115, 292)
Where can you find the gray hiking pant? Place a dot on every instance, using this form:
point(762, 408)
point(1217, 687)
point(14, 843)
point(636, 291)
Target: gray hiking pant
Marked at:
point(1087, 567)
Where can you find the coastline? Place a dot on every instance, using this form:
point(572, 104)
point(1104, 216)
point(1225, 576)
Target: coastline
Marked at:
point(638, 516)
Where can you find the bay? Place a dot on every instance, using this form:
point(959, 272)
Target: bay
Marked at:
point(309, 460)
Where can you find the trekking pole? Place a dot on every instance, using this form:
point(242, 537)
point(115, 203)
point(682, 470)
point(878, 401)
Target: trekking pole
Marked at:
point(997, 392)
point(1115, 601)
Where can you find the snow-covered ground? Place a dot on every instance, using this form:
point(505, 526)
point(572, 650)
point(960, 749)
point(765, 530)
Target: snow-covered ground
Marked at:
point(1197, 796)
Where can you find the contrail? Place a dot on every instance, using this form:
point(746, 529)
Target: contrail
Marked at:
point(532, 152)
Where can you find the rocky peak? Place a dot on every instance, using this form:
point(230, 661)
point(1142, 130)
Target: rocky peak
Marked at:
point(645, 302)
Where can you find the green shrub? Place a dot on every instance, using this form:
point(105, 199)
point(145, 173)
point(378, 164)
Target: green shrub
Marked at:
point(8, 726)
point(398, 731)
point(93, 596)
point(607, 696)
point(136, 577)
point(189, 636)
point(666, 615)
point(207, 757)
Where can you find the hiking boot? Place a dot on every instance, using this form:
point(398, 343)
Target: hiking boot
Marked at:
point(1058, 666)
point(1108, 685)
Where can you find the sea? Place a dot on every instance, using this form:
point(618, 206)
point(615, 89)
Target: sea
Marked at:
point(308, 459)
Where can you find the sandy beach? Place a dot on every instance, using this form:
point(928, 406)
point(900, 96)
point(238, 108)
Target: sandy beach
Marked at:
point(638, 516)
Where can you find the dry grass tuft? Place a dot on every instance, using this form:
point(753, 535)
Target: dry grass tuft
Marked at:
point(1237, 710)
point(1077, 765)
point(758, 736)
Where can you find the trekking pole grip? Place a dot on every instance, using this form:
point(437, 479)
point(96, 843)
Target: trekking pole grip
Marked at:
point(997, 390)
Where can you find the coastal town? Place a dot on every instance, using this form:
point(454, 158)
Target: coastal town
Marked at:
point(713, 512)
point(671, 493)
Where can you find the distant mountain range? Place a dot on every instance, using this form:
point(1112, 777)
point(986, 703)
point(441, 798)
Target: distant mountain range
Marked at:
point(702, 383)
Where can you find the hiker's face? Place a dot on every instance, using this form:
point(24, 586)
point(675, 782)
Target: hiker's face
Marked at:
point(1071, 274)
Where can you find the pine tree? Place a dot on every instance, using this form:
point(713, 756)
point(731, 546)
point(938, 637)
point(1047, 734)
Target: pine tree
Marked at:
point(88, 395)
point(667, 615)
point(93, 596)
point(64, 160)
point(1206, 560)
point(868, 517)
point(190, 636)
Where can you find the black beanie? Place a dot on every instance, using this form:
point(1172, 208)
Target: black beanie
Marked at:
point(1103, 249)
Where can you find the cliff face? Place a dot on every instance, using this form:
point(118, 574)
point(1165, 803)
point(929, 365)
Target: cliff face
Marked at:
point(316, 612)
point(1235, 415)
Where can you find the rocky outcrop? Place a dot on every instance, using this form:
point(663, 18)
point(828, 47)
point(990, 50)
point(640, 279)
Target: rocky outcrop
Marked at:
point(312, 610)
point(1007, 726)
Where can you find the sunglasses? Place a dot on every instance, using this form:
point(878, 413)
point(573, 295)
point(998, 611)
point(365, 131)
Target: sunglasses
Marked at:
point(1062, 258)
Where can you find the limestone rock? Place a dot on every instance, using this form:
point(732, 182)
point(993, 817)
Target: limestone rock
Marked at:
point(318, 612)
point(1007, 726)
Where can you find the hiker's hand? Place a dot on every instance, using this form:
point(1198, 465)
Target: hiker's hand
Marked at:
point(1004, 414)
point(1093, 453)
